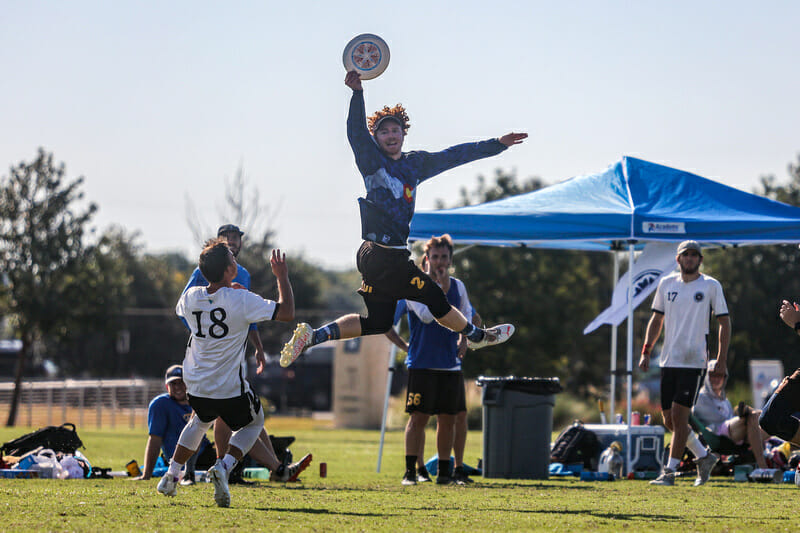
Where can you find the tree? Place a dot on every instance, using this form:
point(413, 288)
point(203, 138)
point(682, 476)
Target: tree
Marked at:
point(41, 252)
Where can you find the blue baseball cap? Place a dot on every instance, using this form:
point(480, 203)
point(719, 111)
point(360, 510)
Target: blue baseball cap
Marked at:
point(174, 372)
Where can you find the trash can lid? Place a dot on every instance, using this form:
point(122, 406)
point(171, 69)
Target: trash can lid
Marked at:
point(529, 385)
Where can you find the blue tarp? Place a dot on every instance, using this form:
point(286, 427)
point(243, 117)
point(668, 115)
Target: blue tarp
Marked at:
point(631, 200)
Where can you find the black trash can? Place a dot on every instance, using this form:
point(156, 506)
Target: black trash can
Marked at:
point(517, 426)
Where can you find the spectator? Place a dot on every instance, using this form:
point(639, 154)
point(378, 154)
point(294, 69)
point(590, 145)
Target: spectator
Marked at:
point(167, 414)
point(716, 413)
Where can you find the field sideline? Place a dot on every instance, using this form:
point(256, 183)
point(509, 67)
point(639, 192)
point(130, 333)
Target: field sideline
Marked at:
point(355, 498)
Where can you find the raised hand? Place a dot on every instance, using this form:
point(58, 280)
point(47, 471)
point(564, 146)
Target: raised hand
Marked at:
point(353, 80)
point(510, 139)
point(278, 264)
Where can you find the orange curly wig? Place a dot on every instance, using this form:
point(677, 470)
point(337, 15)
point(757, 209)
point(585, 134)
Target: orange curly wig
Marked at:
point(398, 112)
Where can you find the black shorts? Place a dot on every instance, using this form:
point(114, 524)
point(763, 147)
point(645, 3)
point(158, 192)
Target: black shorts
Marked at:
point(388, 275)
point(680, 385)
point(236, 412)
point(435, 392)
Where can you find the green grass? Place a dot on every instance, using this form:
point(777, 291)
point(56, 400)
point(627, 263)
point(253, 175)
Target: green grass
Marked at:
point(355, 498)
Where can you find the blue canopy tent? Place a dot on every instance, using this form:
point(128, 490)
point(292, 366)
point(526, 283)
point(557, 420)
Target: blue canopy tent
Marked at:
point(630, 203)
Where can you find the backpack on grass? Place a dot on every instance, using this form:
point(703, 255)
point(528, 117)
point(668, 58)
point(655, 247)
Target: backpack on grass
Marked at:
point(576, 444)
point(61, 438)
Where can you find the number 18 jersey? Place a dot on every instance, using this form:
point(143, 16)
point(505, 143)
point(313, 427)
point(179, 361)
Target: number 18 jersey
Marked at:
point(687, 312)
point(214, 365)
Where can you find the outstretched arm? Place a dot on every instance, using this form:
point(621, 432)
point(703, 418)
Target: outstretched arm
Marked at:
point(285, 295)
point(437, 162)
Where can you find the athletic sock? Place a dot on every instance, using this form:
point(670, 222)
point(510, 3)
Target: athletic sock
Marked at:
point(444, 467)
point(229, 461)
point(695, 446)
point(673, 463)
point(411, 463)
point(473, 333)
point(328, 332)
point(174, 468)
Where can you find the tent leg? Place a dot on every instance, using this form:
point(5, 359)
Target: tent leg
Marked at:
point(630, 356)
point(389, 374)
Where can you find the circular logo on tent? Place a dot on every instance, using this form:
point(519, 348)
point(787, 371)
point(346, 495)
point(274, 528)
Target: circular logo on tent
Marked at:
point(698, 297)
point(644, 279)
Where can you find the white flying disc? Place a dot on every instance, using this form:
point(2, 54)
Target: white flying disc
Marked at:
point(367, 54)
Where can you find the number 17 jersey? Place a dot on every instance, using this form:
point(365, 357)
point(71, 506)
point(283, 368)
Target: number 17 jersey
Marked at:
point(214, 365)
point(687, 311)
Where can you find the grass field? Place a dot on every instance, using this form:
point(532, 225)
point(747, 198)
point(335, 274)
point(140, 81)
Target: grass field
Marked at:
point(353, 497)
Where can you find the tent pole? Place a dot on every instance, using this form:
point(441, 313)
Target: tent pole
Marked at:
point(631, 246)
point(614, 332)
point(389, 374)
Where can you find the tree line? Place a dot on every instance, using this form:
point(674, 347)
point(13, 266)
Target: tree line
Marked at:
point(97, 305)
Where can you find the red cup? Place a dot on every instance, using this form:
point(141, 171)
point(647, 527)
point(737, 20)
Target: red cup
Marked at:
point(323, 469)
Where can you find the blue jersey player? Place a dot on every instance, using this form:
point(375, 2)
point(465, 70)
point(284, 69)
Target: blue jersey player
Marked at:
point(391, 177)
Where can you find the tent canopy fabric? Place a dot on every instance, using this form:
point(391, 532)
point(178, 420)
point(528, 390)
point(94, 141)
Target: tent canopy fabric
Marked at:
point(632, 200)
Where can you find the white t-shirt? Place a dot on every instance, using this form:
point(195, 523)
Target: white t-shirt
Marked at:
point(214, 365)
point(687, 311)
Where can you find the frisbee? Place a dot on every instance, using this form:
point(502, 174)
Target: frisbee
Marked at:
point(367, 54)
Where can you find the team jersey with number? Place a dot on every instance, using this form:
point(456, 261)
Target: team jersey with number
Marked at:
point(198, 280)
point(430, 345)
point(687, 311)
point(214, 365)
point(392, 184)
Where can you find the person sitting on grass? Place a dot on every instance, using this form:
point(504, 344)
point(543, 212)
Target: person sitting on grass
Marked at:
point(724, 429)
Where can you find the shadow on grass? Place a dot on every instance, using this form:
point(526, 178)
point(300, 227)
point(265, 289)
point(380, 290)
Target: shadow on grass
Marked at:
point(311, 511)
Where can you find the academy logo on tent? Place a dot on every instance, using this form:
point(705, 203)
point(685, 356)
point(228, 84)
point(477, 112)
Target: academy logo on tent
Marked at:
point(663, 227)
point(643, 280)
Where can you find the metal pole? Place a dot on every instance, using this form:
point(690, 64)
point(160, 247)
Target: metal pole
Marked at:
point(389, 374)
point(630, 356)
point(614, 333)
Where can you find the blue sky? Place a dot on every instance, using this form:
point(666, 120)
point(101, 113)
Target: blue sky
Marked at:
point(155, 101)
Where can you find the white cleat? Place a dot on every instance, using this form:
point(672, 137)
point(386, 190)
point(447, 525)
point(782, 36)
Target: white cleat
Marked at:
point(494, 335)
point(219, 477)
point(300, 339)
point(168, 486)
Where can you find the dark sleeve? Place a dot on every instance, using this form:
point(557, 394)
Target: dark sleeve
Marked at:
point(366, 152)
point(431, 164)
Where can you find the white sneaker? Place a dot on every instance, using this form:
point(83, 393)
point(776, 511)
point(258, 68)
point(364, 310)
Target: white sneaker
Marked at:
point(300, 339)
point(219, 477)
point(494, 335)
point(168, 486)
point(704, 466)
point(667, 478)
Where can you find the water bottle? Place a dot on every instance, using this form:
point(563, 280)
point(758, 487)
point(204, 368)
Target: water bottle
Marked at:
point(611, 460)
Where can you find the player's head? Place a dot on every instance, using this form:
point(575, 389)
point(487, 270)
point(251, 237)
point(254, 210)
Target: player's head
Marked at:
point(173, 380)
point(690, 257)
point(389, 127)
point(233, 235)
point(216, 260)
point(439, 254)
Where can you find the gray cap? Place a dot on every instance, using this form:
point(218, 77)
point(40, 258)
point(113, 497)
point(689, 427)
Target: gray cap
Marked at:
point(229, 228)
point(690, 245)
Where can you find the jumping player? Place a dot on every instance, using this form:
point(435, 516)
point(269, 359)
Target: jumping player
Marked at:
point(391, 177)
point(214, 367)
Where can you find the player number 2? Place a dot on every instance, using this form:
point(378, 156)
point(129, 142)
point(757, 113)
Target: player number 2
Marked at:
point(218, 327)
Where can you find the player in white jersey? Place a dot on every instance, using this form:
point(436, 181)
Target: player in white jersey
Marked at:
point(214, 367)
point(683, 305)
